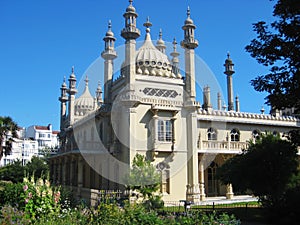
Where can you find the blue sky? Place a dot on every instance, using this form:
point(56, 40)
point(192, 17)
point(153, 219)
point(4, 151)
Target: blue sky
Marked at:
point(41, 40)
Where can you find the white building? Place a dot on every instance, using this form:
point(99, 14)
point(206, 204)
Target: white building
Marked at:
point(23, 150)
point(150, 108)
point(44, 135)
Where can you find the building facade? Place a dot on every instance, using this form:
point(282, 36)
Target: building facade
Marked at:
point(150, 108)
point(22, 149)
point(46, 137)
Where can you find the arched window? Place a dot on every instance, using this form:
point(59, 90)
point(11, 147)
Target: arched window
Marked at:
point(211, 134)
point(235, 135)
point(256, 134)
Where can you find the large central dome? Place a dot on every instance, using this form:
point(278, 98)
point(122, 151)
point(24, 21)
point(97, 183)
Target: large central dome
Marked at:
point(151, 61)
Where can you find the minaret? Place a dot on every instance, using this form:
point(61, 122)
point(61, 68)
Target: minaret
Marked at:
point(219, 101)
point(72, 91)
point(189, 44)
point(99, 95)
point(175, 60)
point(237, 104)
point(63, 103)
point(130, 33)
point(109, 54)
point(229, 71)
point(160, 44)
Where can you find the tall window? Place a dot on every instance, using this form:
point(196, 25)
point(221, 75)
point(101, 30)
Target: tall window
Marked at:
point(164, 170)
point(164, 130)
point(235, 135)
point(211, 134)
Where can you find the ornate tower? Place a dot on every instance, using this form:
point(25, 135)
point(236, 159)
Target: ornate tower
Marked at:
point(189, 44)
point(63, 103)
point(72, 91)
point(109, 54)
point(130, 33)
point(229, 72)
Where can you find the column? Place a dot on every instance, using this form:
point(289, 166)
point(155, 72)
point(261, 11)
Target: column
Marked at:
point(79, 176)
point(229, 194)
point(201, 185)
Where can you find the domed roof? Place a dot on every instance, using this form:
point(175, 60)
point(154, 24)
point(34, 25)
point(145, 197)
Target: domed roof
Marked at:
point(85, 102)
point(130, 8)
point(151, 61)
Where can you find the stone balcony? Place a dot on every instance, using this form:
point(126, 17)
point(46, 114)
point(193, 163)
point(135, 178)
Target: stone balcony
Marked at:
point(233, 147)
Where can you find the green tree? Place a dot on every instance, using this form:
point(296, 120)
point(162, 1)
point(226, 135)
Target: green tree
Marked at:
point(266, 168)
point(8, 131)
point(15, 172)
point(143, 177)
point(278, 46)
point(37, 166)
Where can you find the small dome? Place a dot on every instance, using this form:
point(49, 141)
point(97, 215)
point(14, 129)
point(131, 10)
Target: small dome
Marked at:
point(130, 8)
point(85, 102)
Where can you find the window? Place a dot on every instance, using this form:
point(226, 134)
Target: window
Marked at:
point(256, 134)
point(164, 130)
point(211, 134)
point(163, 168)
point(235, 135)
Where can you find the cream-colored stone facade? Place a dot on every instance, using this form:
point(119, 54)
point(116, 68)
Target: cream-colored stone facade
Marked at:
point(151, 109)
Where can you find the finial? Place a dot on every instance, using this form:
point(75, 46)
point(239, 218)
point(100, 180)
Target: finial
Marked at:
point(64, 81)
point(160, 34)
point(262, 110)
point(228, 55)
point(130, 2)
point(72, 69)
point(109, 25)
point(147, 24)
point(174, 44)
point(188, 12)
point(86, 80)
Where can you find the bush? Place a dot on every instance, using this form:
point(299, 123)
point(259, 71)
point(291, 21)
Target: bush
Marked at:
point(11, 195)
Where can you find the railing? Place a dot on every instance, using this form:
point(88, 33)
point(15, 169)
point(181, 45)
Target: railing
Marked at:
point(223, 145)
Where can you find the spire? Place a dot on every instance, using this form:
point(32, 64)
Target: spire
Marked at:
point(109, 41)
point(130, 31)
point(229, 71)
point(63, 96)
point(86, 81)
point(160, 44)
point(189, 29)
point(99, 94)
point(175, 59)
point(228, 65)
point(72, 82)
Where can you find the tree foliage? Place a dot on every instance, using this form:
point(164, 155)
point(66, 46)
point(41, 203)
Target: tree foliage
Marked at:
point(267, 168)
point(15, 172)
point(278, 46)
point(143, 177)
point(7, 126)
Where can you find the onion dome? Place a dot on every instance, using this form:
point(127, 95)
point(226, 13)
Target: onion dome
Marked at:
point(188, 20)
point(151, 61)
point(130, 8)
point(85, 103)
